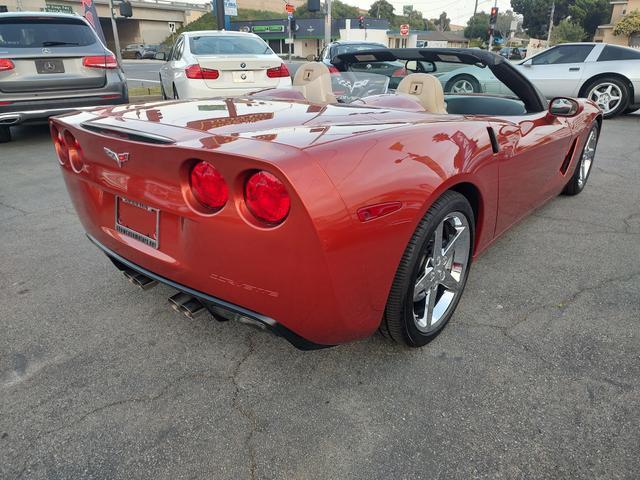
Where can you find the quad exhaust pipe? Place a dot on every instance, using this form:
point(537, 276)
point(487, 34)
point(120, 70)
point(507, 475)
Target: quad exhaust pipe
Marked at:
point(139, 280)
point(187, 304)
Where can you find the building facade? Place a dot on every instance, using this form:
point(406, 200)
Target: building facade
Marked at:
point(619, 10)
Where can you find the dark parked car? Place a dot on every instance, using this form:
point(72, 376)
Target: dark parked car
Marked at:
point(53, 63)
point(512, 53)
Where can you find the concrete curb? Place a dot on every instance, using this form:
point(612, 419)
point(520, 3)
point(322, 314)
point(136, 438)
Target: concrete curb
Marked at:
point(145, 98)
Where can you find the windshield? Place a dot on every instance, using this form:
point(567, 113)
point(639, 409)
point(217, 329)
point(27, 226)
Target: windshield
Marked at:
point(228, 45)
point(456, 78)
point(44, 32)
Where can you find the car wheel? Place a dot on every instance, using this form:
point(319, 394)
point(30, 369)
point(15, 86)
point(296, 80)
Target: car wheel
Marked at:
point(138, 56)
point(175, 92)
point(611, 95)
point(463, 85)
point(583, 168)
point(432, 273)
point(5, 134)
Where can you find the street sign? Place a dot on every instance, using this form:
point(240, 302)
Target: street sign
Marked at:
point(404, 29)
point(231, 8)
point(172, 27)
point(288, 41)
point(289, 8)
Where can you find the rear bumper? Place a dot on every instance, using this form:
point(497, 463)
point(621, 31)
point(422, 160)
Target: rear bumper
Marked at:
point(35, 111)
point(199, 89)
point(209, 300)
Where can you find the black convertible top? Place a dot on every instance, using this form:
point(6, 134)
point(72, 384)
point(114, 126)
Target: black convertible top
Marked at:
point(504, 71)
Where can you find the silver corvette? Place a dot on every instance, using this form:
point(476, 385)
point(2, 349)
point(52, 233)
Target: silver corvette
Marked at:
point(607, 74)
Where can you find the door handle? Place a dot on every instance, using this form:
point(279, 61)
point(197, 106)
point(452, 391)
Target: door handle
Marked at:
point(574, 69)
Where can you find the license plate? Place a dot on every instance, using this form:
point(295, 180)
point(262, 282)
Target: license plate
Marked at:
point(242, 77)
point(138, 221)
point(49, 66)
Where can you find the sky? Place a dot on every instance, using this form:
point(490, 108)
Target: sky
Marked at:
point(458, 11)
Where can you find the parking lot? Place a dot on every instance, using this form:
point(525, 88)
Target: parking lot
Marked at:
point(537, 375)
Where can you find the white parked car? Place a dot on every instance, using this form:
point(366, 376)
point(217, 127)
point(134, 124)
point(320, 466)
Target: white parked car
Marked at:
point(607, 74)
point(215, 63)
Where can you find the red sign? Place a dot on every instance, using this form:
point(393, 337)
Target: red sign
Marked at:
point(404, 29)
point(289, 8)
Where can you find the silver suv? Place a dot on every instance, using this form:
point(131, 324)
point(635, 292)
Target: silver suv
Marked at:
point(50, 64)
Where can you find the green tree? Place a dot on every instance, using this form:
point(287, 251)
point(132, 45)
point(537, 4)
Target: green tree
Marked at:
point(567, 31)
point(629, 24)
point(589, 14)
point(535, 14)
point(382, 9)
point(478, 27)
point(442, 23)
point(338, 10)
point(414, 18)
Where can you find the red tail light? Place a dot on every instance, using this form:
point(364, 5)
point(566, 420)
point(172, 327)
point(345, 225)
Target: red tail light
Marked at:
point(333, 70)
point(401, 72)
point(267, 197)
point(208, 186)
point(74, 152)
point(278, 72)
point(100, 61)
point(6, 64)
point(195, 72)
point(58, 143)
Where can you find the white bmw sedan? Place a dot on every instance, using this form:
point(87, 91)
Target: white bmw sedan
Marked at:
point(220, 64)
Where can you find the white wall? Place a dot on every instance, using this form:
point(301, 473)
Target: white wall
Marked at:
point(369, 35)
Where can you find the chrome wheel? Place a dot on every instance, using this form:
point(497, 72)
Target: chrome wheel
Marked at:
point(441, 272)
point(607, 95)
point(462, 86)
point(588, 155)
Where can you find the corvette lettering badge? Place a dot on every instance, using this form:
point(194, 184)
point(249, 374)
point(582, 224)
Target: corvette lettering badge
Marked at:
point(119, 158)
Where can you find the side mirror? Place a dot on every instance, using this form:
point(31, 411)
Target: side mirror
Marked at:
point(312, 58)
point(428, 67)
point(160, 56)
point(563, 107)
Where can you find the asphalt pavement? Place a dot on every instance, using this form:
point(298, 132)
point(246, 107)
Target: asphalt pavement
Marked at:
point(536, 376)
point(142, 73)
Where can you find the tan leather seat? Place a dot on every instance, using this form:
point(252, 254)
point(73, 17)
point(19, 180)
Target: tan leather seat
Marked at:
point(313, 80)
point(427, 89)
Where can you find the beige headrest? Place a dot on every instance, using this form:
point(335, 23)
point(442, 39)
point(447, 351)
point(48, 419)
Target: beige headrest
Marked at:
point(427, 89)
point(313, 80)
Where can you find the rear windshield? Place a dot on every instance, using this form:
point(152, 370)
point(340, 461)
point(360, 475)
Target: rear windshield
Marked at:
point(228, 45)
point(358, 47)
point(44, 32)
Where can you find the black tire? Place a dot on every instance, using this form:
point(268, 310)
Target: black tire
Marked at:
point(624, 91)
point(631, 110)
point(138, 56)
point(5, 134)
point(463, 77)
point(575, 185)
point(398, 322)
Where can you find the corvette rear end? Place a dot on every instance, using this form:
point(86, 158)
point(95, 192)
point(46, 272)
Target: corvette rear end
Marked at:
point(232, 229)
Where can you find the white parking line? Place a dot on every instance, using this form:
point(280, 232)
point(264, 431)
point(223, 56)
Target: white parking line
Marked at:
point(143, 80)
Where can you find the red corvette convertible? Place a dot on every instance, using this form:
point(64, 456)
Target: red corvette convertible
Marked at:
point(352, 202)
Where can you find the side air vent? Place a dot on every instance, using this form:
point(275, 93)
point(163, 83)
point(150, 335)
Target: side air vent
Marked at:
point(567, 159)
point(127, 134)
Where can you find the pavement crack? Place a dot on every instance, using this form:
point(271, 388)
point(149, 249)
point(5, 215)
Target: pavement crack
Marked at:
point(11, 207)
point(246, 412)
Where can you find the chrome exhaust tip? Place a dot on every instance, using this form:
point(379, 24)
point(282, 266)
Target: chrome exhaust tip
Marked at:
point(187, 304)
point(141, 281)
point(9, 119)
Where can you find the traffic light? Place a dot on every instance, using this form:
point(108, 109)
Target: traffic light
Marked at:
point(361, 21)
point(125, 9)
point(494, 16)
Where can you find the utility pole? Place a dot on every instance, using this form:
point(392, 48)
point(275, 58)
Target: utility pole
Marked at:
point(290, 46)
point(553, 11)
point(327, 27)
point(475, 9)
point(218, 8)
point(116, 38)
